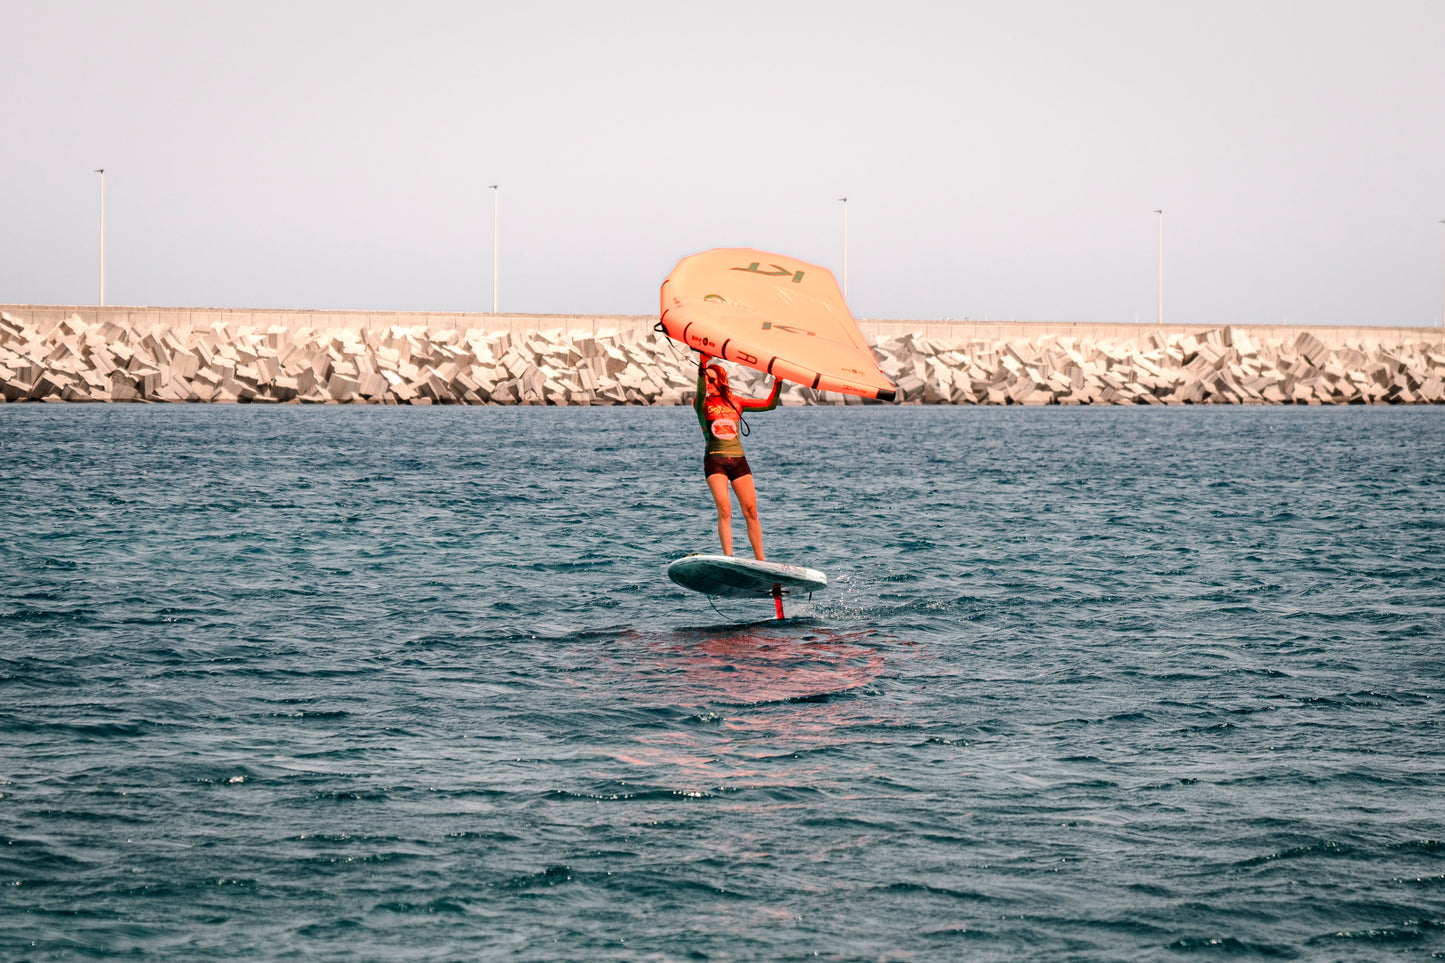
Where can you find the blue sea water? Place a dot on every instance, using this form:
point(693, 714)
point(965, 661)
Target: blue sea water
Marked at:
point(411, 684)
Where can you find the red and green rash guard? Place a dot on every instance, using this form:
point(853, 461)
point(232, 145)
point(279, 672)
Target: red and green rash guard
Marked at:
point(720, 420)
point(719, 425)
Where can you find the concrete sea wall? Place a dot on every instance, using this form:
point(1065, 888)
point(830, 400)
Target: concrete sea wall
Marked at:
point(72, 353)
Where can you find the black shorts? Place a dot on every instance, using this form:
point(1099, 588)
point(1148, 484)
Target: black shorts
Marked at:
point(733, 466)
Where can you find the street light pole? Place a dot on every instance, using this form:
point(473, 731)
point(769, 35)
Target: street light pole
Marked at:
point(495, 193)
point(101, 172)
point(845, 246)
point(1161, 267)
point(1442, 313)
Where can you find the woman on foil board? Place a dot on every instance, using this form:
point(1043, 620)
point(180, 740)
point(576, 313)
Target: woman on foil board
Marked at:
point(785, 318)
point(720, 413)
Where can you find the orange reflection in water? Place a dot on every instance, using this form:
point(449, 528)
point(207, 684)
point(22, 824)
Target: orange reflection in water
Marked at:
point(757, 664)
point(763, 699)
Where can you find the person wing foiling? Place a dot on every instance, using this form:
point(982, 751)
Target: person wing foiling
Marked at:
point(719, 412)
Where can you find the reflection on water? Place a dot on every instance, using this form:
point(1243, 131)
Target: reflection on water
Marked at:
point(764, 698)
point(761, 663)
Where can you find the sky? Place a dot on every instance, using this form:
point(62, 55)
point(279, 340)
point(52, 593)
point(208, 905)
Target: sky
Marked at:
point(1000, 160)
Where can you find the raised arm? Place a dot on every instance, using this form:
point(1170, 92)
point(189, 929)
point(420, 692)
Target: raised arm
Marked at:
point(764, 404)
point(697, 402)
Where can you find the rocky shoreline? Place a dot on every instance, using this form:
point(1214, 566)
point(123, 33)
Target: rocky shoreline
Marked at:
point(72, 360)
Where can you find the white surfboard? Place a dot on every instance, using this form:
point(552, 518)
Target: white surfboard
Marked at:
point(743, 578)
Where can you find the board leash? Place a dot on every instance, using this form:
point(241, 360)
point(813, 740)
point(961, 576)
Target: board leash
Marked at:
point(722, 616)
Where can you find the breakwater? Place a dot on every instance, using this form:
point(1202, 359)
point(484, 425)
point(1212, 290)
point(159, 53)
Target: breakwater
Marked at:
point(179, 355)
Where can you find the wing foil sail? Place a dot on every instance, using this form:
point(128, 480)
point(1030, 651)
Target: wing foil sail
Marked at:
point(772, 313)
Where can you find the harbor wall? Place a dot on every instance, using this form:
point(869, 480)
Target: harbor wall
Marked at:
point(54, 353)
point(145, 319)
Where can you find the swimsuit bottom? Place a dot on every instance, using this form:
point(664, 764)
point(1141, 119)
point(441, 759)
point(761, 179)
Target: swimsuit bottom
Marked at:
point(733, 466)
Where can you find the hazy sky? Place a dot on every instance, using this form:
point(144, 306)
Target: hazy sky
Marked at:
point(1001, 159)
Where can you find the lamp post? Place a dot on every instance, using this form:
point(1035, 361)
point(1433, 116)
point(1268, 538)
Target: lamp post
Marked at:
point(1442, 313)
point(845, 246)
point(1160, 322)
point(101, 172)
point(495, 193)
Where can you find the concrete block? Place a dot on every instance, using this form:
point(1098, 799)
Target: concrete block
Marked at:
point(284, 388)
point(910, 387)
point(1022, 388)
point(147, 382)
point(306, 381)
point(1311, 348)
point(1188, 391)
point(373, 385)
point(611, 394)
point(464, 384)
point(62, 350)
point(155, 348)
point(556, 392)
point(174, 391)
point(122, 389)
point(613, 361)
point(434, 387)
point(341, 388)
point(959, 396)
point(514, 364)
point(184, 364)
point(229, 392)
point(321, 366)
point(294, 354)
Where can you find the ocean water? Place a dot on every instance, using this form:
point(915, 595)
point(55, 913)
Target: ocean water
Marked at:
point(411, 684)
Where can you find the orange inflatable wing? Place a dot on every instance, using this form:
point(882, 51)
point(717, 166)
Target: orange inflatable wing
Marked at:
point(772, 313)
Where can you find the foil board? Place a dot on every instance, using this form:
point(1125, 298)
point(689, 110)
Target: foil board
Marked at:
point(743, 578)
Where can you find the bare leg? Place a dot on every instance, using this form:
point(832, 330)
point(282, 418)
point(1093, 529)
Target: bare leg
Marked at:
point(717, 483)
point(748, 499)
